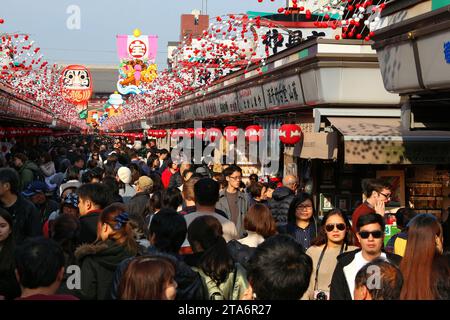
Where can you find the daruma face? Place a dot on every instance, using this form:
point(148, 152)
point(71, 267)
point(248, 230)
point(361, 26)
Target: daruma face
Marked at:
point(76, 84)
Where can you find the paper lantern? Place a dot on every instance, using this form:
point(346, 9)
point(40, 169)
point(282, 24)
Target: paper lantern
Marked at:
point(290, 133)
point(151, 133)
point(76, 85)
point(200, 133)
point(161, 133)
point(254, 133)
point(231, 133)
point(189, 133)
point(212, 134)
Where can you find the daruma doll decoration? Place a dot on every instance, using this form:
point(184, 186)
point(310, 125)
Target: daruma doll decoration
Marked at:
point(76, 86)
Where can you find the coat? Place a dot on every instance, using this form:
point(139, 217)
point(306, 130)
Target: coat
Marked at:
point(279, 204)
point(138, 204)
point(27, 219)
point(27, 174)
point(222, 204)
point(98, 263)
point(88, 227)
point(339, 289)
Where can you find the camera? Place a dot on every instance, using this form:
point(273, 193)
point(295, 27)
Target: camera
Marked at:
point(321, 295)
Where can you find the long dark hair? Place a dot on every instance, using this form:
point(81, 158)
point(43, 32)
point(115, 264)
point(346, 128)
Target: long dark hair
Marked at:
point(322, 238)
point(417, 263)
point(7, 253)
point(216, 262)
point(301, 197)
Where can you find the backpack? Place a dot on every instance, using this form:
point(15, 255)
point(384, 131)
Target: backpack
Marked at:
point(212, 291)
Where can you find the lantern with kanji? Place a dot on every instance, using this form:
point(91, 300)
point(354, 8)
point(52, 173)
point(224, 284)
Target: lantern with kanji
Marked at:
point(212, 134)
point(254, 133)
point(189, 133)
point(290, 133)
point(231, 133)
point(76, 86)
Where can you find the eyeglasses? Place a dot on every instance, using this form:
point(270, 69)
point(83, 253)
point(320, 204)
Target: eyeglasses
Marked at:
point(236, 178)
point(303, 207)
point(375, 234)
point(339, 226)
point(388, 196)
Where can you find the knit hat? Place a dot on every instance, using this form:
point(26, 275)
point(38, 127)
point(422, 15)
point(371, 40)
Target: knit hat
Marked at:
point(124, 174)
point(144, 183)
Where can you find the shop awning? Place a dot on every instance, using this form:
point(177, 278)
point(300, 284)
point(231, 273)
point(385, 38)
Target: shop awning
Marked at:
point(383, 141)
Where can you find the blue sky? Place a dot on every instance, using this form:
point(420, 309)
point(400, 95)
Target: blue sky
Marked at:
point(102, 20)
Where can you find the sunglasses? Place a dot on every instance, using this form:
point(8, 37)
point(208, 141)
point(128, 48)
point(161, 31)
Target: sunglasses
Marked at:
point(339, 226)
point(375, 234)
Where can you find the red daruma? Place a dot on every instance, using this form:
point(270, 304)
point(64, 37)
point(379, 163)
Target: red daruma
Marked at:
point(76, 85)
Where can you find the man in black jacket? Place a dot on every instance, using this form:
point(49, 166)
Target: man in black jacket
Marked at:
point(25, 215)
point(282, 198)
point(167, 233)
point(137, 206)
point(370, 233)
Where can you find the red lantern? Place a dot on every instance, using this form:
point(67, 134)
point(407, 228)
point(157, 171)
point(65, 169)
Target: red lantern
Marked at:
point(162, 133)
point(200, 133)
point(254, 133)
point(151, 133)
point(189, 133)
point(290, 133)
point(231, 133)
point(213, 133)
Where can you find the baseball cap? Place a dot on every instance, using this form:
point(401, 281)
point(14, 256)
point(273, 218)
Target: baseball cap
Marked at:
point(144, 183)
point(71, 199)
point(202, 171)
point(124, 174)
point(35, 187)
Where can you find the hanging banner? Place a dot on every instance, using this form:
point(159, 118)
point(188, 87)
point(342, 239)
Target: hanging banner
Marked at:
point(142, 47)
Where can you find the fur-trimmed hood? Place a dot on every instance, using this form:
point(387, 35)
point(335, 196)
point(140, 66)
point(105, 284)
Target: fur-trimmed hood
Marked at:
point(108, 254)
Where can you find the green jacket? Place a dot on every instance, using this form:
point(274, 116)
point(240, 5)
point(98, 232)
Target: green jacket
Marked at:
point(98, 263)
point(26, 173)
point(232, 289)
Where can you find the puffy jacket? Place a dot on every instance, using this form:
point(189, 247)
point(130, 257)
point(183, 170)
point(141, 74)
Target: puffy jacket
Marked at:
point(231, 289)
point(26, 218)
point(190, 286)
point(222, 204)
point(339, 283)
point(279, 204)
point(98, 263)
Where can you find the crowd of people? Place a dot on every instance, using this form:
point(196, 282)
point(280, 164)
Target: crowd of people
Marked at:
point(138, 225)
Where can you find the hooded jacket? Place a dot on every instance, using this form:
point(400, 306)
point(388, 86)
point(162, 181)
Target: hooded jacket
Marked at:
point(279, 204)
point(340, 289)
point(98, 263)
point(190, 286)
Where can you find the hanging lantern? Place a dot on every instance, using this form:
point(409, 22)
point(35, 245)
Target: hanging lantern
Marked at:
point(212, 134)
point(254, 133)
point(151, 133)
point(161, 133)
point(290, 133)
point(231, 133)
point(189, 133)
point(200, 133)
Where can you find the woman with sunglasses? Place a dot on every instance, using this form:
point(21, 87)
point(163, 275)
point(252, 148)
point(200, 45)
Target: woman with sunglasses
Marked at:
point(335, 237)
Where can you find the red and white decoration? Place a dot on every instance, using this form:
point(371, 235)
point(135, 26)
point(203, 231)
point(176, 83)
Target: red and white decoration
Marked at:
point(290, 133)
point(231, 133)
point(254, 133)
